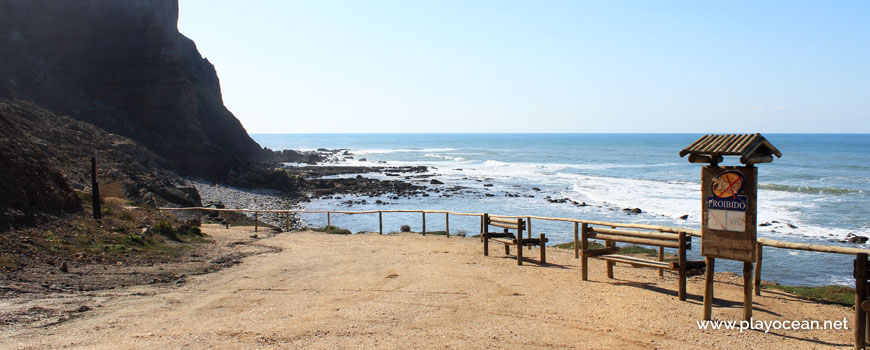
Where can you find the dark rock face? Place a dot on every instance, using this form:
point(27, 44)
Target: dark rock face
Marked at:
point(123, 66)
point(44, 157)
point(27, 183)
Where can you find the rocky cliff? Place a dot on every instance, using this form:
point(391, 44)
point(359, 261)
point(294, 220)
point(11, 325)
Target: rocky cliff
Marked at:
point(122, 65)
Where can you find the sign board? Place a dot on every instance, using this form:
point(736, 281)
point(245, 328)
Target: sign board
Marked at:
point(728, 212)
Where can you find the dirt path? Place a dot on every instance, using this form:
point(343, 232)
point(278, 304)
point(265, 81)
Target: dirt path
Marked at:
point(408, 291)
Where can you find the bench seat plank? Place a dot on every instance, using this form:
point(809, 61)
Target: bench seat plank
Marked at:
point(526, 241)
point(635, 261)
point(507, 226)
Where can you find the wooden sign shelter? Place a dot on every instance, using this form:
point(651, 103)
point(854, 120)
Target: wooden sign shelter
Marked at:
point(728, 204)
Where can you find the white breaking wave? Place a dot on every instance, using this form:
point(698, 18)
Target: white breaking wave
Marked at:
point(670, 199)
point(441, 156)
point(399, 150)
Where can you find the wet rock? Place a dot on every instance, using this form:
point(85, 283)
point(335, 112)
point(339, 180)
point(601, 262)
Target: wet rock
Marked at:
point(362, 159)
point(487, 185)
point(792, 226)
point(857, 239)
point(405, 228)
point(436, 182)
point(763, 224)
point(535, 189)
point(685, 217)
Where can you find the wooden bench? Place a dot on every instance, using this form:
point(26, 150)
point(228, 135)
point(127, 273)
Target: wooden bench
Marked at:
point(508, 238)
point(680, 241)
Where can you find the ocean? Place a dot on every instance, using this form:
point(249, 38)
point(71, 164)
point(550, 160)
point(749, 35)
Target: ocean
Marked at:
point(816, 193)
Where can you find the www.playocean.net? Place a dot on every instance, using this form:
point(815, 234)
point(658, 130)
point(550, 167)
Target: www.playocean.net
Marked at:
point(767, 326)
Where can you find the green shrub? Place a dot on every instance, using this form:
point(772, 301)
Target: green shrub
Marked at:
point(188, 230)
point(333, 230)
point(841, 295)
point(136, 239)
point(165, 229)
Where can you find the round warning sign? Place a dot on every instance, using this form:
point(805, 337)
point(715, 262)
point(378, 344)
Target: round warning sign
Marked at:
point(727, 184)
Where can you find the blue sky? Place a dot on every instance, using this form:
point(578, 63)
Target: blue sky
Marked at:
point(538, 66)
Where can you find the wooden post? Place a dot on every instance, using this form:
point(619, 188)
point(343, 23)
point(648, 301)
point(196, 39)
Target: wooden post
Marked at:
point(683, 267)
point(860, 296)
point(507, 247)
point(576, 242)
point(256, 221)
point(747, 291)
point(424, 223)
point(609, 244)
point(584, 260)
point(328, 223)
point(661, 257)
point(481, 226)
point(95, 189)
point(708, 287)
point(519, 241)
point(447, 224)
point(287, 221)
point(543, 249)
point(199, 217)
point(381, 222)
point(484, 234)
point(757, 277)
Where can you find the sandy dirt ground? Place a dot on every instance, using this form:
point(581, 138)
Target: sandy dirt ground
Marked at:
point(408, 291)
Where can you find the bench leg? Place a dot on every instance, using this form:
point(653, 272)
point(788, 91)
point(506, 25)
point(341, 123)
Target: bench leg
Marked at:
point(609, 263)
point(519, 255)
point(507, 249)
point(661, 258)
point(543, 249)
point(485, 240)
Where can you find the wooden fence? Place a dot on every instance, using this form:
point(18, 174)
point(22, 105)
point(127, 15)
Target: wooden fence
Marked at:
point(861, 265)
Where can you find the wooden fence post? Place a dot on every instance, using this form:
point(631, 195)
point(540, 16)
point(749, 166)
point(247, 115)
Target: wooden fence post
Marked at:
point(287, 221)
point(683, 268)
point(481, 227)
point(95, 189)
point(447, 224)
point(860, 296)
point(424, 223)
point(328, 223)
point(576, 241)
point(757, 277)
point(661, 257)
point(584, 260)
point(708, 287)
point(381, 222)
point(256, 221)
